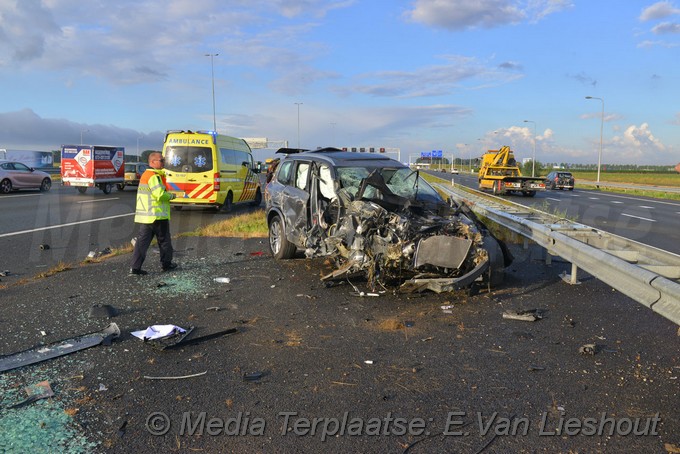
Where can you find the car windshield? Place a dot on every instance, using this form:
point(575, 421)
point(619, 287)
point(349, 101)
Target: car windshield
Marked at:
point(401, 181)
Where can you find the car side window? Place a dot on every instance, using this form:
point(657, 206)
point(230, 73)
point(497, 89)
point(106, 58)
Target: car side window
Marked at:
point(301, 175)
point(22, 167)
point(285, 173)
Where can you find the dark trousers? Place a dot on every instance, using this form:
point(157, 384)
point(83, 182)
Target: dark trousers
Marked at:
point(161, 230)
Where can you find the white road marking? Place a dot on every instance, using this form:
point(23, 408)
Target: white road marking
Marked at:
point(19, 195)
point(64, 225)
point(645, 206)
point(100, 200)
point(556, 200)
point(594, 198)
point(638, 217)
point(616, 201)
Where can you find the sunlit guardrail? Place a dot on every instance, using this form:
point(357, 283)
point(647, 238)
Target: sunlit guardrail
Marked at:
point(644, 273)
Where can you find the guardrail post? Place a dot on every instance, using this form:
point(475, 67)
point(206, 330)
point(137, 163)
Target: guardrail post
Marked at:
point(573, 277)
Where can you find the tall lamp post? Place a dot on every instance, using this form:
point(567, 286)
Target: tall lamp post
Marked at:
point(138, 137)
point(298, 123)
point(81, 134)
point(533, 160)
point(212, 75)
point(333, 135)
point(599, 155)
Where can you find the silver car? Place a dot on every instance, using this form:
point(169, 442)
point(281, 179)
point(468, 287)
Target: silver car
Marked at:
point(17, 175)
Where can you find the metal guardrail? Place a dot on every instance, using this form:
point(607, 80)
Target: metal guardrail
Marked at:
point(649, 275)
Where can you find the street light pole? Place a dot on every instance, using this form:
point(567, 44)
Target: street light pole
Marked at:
point(138, 137)
point(212, 75)
point(533, 160)
point(298, 123)
point(333, 135)
point(81, 134)
point(599, 155)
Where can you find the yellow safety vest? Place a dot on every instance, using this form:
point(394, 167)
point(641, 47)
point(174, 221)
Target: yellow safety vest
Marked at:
point(153, 201)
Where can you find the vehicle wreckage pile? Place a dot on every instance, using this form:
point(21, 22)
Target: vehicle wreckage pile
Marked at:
point(396, 241)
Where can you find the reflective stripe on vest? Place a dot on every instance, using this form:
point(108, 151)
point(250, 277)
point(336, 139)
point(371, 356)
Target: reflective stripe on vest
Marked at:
point(150, 204)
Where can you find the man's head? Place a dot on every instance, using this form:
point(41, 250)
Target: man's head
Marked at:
point(156, 160)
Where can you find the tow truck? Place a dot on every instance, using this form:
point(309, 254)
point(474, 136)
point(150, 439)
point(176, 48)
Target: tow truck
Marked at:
point(501, 174)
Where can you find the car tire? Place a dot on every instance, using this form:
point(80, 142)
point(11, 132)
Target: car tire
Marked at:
point(106, 188)
point(228, 204)
point(258, 199)
point(5, 186)
point(45, 185)
point(82, 189)
point(278, 243)
point(120, 186)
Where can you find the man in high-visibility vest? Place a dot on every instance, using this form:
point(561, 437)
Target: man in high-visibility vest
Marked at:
point(152, 213)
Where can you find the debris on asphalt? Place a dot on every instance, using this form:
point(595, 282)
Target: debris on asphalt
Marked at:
point(252, 376)
point(446, 308)
point(176, 378)
point(59, 348)
point(588, 349)
point(158, 332)
point(44, 247)
point(5, 273)
point(222, 280)
point(185, 341)
point(103, 310)
point(213, 308)
point(534, 368)
point(368, 361)
point(41, 390)
point(529, 315)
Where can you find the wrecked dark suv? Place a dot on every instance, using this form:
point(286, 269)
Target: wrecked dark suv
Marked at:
point(377, 219)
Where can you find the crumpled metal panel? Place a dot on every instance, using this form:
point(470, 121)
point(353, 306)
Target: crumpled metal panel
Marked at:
point(442, 250)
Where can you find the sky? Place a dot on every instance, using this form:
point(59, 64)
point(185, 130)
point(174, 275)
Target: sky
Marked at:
point(459, 76)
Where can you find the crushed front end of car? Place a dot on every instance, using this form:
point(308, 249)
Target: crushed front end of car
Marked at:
point(395, 240)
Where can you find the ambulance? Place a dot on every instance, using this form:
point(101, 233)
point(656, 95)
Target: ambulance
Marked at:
point(207, 169)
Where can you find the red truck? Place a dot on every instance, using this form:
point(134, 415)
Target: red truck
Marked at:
point(88, 166)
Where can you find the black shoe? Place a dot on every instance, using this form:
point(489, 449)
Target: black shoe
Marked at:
point(138, 272)
point(170, 267)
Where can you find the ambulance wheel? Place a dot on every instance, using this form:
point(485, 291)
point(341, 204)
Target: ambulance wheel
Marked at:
point(82, 189)
point(258, 199)
point(106, 188)
point(278, 243)
point(228, 203)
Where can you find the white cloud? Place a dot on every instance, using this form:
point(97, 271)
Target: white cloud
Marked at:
point(463, 14)
point(666, 28)
point(658, 10)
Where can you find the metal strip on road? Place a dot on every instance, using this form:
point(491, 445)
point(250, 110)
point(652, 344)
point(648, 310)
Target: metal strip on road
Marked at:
point(644, 273)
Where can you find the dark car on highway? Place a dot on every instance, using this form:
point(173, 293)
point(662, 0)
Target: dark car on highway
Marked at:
point(559, 179)
point(17, 175)
point(376, 218)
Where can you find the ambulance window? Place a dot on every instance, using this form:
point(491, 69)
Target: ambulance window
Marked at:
point(188, 159)
point(301, 175)
point(227, 156)
point(285, 171)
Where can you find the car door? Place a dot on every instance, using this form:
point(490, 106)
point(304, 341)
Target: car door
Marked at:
point(295, 200)
point(23, 176)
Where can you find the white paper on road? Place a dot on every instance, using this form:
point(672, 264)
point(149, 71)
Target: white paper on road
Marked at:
point(157, 332)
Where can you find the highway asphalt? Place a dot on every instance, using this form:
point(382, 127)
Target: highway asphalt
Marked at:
point(315, 369)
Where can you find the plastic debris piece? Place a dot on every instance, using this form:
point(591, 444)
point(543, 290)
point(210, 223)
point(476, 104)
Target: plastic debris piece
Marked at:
point(35, 392)
point(252, 376)
point(60, 348)
point(588, 349)
point(222, 280)
point(44, 247)
point(257, 254)
point(133, 241)
point(529, 315)
point(5, 273)
point(102, 387)
point(533, 368)
point(176, 378)
point(368, 361)
point(447, 307)
point(158, 332)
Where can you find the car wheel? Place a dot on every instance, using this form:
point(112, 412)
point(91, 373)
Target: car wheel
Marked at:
point(5, 186)
point(280, 246)
point(82, 189)
point(258, 199)
point(571, 189)
point(106, 188)
point(45, 185)
point(120, 186)
point(228, 204)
